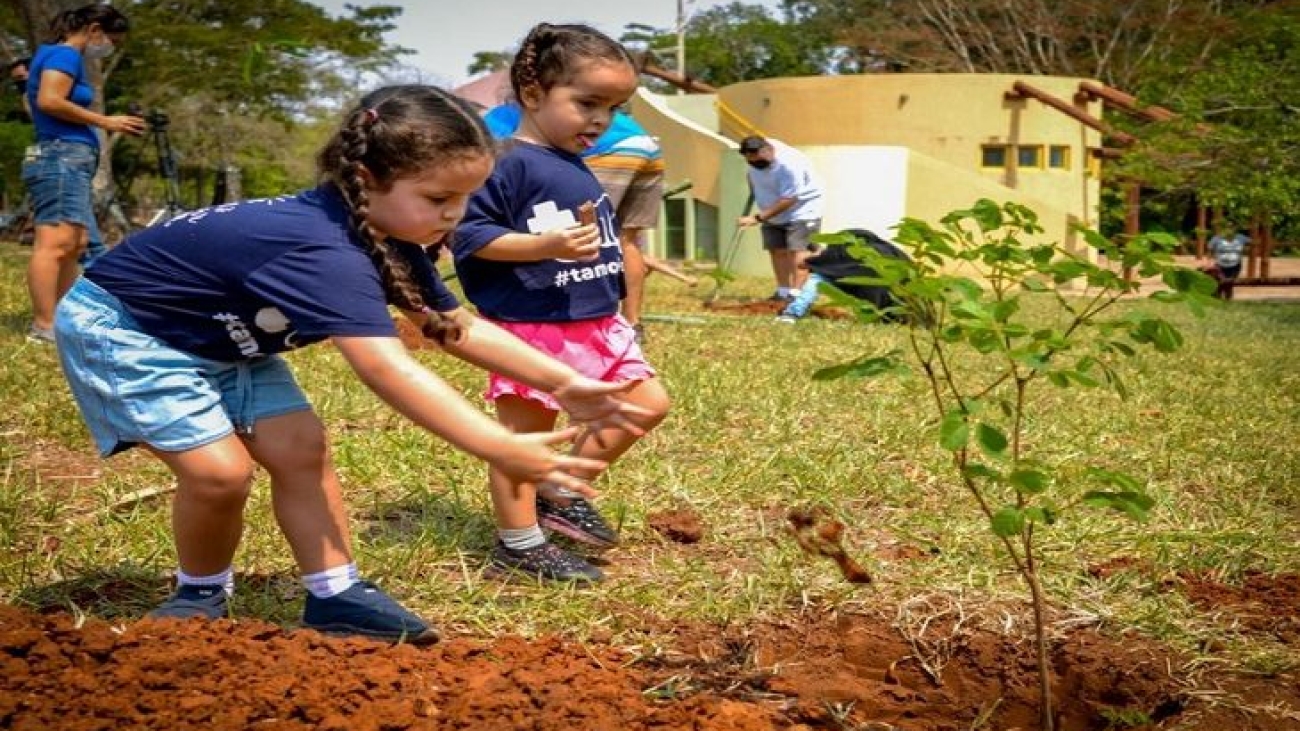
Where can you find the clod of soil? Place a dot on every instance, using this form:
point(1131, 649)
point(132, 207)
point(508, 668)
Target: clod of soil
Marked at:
point(680, 526)
point(819, 534)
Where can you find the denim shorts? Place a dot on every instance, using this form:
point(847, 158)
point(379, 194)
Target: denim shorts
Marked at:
point(133, 388)
point(58, 179)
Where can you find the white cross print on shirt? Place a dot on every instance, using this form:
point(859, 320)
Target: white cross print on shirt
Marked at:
point(548, 217)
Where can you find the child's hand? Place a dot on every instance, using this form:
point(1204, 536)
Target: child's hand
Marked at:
point(577, 242)
point(597, 405)
point(529, 458)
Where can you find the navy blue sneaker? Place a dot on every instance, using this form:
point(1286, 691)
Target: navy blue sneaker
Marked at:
point(363, 610)
point(577, 520)
point(546, 561)
point(192, 600)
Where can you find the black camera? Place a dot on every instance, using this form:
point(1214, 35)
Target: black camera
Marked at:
point(157, 120)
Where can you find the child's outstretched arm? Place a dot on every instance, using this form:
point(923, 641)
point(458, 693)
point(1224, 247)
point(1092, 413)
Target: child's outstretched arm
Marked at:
point(386, 367)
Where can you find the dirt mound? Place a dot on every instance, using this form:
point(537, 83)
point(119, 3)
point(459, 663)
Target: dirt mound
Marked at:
point(815, 670)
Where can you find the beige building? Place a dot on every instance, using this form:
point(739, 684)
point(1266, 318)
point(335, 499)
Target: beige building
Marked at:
point(886, 146)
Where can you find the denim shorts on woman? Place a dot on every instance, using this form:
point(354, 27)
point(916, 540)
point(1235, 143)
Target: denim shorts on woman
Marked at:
point(133, 388)
point(58, 180)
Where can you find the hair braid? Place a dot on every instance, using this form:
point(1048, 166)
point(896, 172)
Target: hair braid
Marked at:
point(394, 132)
point(552, 54)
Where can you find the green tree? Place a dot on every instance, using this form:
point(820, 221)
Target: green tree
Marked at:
point(1235, 144)
point(235, 77)
point(736, 42)
point(488, 61)
point(1117, 43)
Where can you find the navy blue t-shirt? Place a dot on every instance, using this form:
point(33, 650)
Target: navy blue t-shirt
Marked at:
point(243, 280)
point(534, 189)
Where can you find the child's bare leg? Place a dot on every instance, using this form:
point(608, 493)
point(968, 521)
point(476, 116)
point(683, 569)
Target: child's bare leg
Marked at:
point(208, 509)
point(305, 491)
point(308, 503)
point(649, 395)
point(514, 503)
point(521, 545)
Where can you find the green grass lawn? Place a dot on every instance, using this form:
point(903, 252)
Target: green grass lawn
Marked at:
point(1212, 430)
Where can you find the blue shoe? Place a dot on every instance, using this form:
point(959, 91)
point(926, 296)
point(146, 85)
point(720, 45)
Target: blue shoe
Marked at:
point(577, 520)
point(366, 611)
point(191, 600)
point(546, 561)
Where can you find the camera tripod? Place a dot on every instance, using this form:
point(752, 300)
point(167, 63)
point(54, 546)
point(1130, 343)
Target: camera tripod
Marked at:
point(167, 169)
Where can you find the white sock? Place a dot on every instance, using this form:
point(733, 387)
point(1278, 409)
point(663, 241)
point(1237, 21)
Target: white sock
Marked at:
point(784, 291)
point(521, 539)
point(331, 582)
point(224, 579)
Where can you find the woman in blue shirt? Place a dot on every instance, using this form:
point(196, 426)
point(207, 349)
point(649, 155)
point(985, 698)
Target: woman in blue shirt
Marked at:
point(58, 170)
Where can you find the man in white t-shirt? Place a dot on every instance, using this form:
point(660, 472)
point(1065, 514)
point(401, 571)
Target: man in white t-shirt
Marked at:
point(789, 201)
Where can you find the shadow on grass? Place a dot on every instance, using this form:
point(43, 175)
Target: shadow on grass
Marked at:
point(129, 592)
point(428, 516)
point(15, 322)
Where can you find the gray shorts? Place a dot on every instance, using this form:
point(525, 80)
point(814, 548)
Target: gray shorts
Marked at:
point(133, 388)
point(792, 236)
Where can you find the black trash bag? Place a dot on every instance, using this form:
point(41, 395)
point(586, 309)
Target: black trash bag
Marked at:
point(835, 263)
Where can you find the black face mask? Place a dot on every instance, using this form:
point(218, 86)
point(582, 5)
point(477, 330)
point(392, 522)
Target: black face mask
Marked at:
point(759, 164)
point(20, 86)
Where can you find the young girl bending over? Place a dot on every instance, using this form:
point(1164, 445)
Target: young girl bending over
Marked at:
point(171, 342)
point(529, 262)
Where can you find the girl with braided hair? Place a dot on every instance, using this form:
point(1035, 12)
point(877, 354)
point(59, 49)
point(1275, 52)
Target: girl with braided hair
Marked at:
point(172, 342)
point(531, 263)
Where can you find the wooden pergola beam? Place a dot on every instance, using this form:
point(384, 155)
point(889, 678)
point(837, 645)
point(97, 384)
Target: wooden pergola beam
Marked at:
point(1021, 90)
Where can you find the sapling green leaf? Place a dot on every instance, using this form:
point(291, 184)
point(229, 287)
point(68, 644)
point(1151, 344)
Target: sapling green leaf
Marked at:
point(954, 431)
point(1031, 482)
point(976, 470)
point(991, 439)
point(1008, 522)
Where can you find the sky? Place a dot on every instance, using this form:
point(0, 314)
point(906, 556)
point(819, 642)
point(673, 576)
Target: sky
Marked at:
point(446, 33)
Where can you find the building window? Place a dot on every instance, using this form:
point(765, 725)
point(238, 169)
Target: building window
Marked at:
point(1058, 156)
point(993, 156)
point(1029, 156)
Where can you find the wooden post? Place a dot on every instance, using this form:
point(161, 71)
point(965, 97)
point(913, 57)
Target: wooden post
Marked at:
point(1132, 216)
point(1266, 247)
point(1252, 255)
point(1202, 226)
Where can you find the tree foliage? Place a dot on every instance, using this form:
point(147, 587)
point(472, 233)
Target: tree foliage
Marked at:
point(736, 42)
point(1236, 142)
point(1117, 43)
point(234, 76)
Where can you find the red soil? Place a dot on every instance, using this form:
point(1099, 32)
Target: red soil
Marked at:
point(802, 670)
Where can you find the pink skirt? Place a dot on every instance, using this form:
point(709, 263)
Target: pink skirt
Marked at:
point(604, 349)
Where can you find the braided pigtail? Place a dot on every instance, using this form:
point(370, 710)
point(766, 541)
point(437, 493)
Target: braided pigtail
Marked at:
point(551, 55)
point(396, 132)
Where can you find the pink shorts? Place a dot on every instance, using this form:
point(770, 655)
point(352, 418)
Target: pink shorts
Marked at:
point(604, 349)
